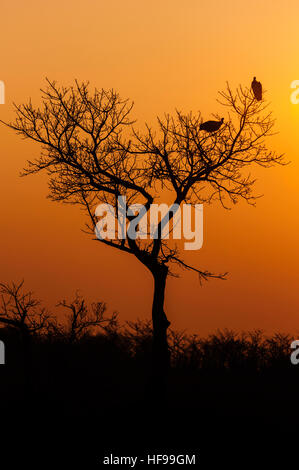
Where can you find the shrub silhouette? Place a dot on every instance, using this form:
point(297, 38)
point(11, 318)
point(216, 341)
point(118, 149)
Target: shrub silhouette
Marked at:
point(102, 369)
point(88, 333)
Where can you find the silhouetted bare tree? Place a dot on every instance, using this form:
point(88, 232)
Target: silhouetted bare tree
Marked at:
point(93, 155)
point(21, 310)
point(82, 320)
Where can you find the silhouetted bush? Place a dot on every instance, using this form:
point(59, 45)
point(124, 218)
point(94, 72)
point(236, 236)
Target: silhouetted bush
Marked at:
point(86, 362)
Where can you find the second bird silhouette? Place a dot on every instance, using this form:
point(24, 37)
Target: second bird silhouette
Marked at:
point(257, 89)
point(211, 126)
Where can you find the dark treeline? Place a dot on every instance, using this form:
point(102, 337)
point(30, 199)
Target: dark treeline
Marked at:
point(87, 349)
point(223, 351)
point(90, 336)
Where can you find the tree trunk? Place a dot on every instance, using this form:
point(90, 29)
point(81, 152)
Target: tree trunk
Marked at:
point(161, 355)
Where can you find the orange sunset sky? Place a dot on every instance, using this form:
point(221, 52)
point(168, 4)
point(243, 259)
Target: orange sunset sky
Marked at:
point(164, 55)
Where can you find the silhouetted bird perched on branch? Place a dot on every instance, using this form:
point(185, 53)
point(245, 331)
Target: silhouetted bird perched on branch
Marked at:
point(257, 89)
point(211, 126)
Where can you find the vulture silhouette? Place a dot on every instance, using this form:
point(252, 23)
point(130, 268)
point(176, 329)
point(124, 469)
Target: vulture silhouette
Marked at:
point(257, 89)
point(211, 126)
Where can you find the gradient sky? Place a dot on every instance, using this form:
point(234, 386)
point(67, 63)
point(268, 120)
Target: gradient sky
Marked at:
point(163, 55)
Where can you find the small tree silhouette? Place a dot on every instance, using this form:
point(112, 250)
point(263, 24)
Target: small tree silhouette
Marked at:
point(21, 310)
point(82, 320)
point(92, 155)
